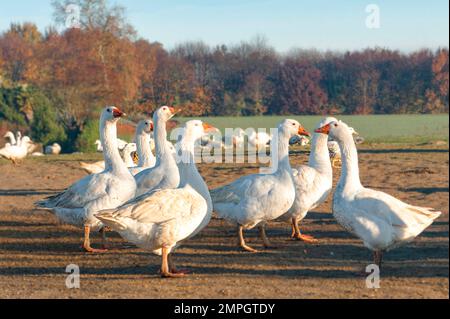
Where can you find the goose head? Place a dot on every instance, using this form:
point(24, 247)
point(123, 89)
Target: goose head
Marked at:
point(325, 121)
point(336, 130)
point(196, 129)
point(165, 113)
point(111, 114)
point(240, 132)
point(292, 127)
point(145, 127)
point(26, 141)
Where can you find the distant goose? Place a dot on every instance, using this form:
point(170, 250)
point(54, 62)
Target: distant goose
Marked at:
point(298, 139)
point(12, 139)
point(16, 153)
point(120, 145)
point(53, 149)
point(259, 140)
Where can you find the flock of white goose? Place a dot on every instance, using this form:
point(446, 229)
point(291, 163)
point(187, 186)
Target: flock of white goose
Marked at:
point(163, 200)
point(18, 147)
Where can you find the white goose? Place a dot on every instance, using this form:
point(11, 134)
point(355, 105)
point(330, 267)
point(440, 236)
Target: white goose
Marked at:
point(255, 199)
point(127, 155)
point(53, 149)
point(142, 138)
point(381, 221)
point(259, 140)
point(238, 138)
point(298, 139)
point(18, 138)
point(12, 139)
point(313, 183)
point(98, 167)
point(160, 220)
point(108, 189)
point(165, 172)
point(120, 145)
point(16, 153)
point(93, 168)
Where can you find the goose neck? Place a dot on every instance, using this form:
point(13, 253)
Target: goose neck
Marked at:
point(282, 148)
point(319, 157)
point(143, 149)
point(349, 179)
point(160, 132)
point(108, 137)
point(189, 175)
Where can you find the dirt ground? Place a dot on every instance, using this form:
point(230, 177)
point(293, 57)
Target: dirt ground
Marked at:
point(35, 249)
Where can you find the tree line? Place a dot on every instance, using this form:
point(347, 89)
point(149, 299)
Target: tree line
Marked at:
point(104, 62)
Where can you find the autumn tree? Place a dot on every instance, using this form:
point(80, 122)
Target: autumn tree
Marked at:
point(17, 47)
point(298, 88)
point(437, 95)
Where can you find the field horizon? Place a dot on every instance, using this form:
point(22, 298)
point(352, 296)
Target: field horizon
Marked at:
point(382, 128)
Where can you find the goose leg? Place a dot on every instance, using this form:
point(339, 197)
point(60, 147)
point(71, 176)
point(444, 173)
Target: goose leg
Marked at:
point(299, 236)
point(293, 233)
point(87, 243)
point(262, 233)
point(242, 240)
point(165, 272)
point(104, 239)
point(378, 258)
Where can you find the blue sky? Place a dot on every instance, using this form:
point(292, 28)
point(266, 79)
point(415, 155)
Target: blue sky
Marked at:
point(322, 24)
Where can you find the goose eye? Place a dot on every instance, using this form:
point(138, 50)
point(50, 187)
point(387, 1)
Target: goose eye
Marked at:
point(335, 125)
point(109, 110)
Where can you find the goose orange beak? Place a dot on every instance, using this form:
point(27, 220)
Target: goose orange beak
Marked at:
point(302, 131)
point(118, 113)
point(207, 127)
point(324, 129)
point(152, 127)
point(174, 110)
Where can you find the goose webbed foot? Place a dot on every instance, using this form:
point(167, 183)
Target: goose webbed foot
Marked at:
point(87, 243)
point(306, 238)
point(297, 235)
point(166, 271)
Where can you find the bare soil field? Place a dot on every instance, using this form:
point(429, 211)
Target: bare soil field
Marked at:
point(35, 249)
